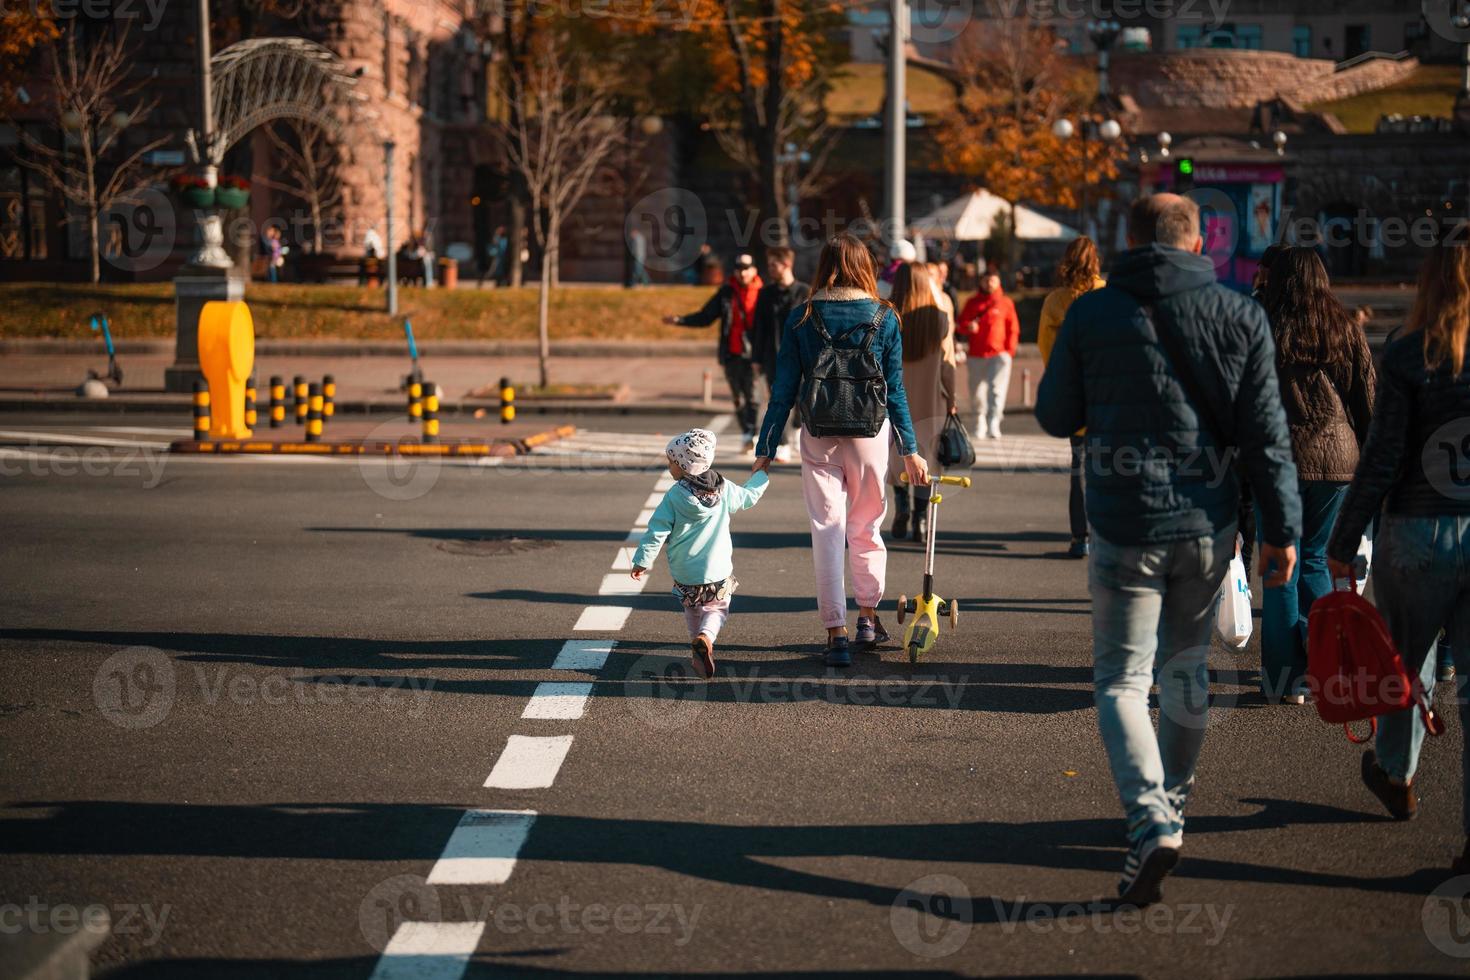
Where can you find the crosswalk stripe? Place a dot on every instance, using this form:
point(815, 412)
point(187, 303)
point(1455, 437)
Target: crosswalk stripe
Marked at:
point(619, 584)
point(483, 848)
point(529, 762)
point(429, 951)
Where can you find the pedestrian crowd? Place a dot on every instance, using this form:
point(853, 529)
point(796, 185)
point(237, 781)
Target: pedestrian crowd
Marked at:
point(1205, 426)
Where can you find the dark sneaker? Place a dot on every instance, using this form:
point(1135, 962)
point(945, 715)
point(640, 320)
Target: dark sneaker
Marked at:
point(900, 527)
point(870, 632)
point(838, 653)
point(1147, 865)
point(1079, 548)
point(1444, 673)
point(1399, 801)
point(702, 653)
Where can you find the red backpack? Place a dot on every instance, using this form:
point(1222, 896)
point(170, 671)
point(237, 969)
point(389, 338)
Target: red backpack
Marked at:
point(1353, 668)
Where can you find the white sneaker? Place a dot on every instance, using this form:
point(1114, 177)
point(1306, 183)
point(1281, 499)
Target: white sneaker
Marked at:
point(783, 454)
point(1148, 863)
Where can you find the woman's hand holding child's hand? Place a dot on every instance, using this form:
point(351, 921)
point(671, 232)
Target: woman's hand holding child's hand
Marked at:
point(761, 463)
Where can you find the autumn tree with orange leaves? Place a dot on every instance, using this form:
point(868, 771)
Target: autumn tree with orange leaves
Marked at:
point(772, 63)
point(26, 30)
point(1014, 83)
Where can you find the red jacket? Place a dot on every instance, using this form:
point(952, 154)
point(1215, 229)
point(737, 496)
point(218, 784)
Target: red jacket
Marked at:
point(989, 321)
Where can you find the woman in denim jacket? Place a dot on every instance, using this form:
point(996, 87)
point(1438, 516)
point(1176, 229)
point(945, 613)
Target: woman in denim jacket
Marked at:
point(1415, 465)
point(843, 478)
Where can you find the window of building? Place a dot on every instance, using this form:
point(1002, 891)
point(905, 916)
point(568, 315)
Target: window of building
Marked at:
point(1243, 36)
point(1301, 41)
point(1247, 36)
point(1189, 37)
point(1357, 39)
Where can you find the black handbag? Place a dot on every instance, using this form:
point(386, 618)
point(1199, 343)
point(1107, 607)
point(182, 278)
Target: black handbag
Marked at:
point(956, 451)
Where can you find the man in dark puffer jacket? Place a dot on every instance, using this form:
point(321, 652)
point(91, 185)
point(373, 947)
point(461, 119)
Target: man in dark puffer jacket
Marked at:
point(1162, 499)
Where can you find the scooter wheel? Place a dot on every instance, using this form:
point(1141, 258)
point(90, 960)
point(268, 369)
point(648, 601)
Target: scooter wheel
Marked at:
point(954, 614)
point(913, 655)
point(903, 608)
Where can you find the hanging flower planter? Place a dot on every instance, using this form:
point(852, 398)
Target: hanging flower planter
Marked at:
point(194, 191)
point(232, 192)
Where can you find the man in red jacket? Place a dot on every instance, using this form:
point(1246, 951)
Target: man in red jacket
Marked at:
point(990, 325)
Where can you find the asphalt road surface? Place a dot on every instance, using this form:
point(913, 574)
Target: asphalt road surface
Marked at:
point(289, 718)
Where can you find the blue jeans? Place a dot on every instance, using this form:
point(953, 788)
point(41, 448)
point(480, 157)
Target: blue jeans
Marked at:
point(1284, 610)
point(1421, 580)
point(1152, 610)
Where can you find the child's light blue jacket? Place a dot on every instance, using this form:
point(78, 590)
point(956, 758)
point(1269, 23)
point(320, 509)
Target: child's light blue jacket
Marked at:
point(698, 536)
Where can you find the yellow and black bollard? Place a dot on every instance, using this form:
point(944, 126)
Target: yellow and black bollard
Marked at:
point(314, 413)
point(431, 413)
point(250, 402)
point(329, 396)
point(507, 402)
point(201, 410)
point(298, 385)
point(415, 400)
point(277, 405)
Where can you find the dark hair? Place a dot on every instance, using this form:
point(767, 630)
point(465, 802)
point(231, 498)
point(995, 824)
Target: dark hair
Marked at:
point(1441, 310)
point(780, 253)
point(1310, 324)
point(845, 263)
point(918, 314)
point(1079, 266)
point(1168, 219)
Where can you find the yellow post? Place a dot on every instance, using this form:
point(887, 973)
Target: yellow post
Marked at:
point(227, 357)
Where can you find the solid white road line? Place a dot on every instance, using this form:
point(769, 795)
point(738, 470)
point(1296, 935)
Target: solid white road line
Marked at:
point(483, 848)
point(529, 762)
point(588, 655)
point(664, 484)
point(654, 499)
point(624, 561)
point(644, 518)
point(558, 700)
point(44, 438)
point(608, 618)
point(429, 951)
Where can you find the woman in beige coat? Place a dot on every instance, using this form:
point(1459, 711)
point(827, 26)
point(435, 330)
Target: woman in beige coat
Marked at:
point(929, 379)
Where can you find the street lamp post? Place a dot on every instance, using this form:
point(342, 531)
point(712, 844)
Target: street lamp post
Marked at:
point(392, 256)
point(895, 142)
point(792, 158)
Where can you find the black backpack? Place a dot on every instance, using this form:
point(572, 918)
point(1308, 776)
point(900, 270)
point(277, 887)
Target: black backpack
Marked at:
point(845, 393)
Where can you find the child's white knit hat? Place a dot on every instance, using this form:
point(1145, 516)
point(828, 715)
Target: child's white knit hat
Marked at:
point(694, 451)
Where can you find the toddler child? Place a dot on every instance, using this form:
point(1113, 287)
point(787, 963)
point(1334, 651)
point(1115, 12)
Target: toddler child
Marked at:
point(694, 519)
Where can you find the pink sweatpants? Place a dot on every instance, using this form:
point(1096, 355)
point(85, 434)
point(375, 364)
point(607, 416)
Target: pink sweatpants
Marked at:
point(843, 481)
point(707, 619)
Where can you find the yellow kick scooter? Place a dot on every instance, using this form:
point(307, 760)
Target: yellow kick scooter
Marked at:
point(923, 611)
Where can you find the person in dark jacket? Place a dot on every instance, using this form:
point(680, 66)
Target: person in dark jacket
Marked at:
point(1162, 499)
point(1415, 466)
point(781, 294)
point(733, 306)
point(1326, 373)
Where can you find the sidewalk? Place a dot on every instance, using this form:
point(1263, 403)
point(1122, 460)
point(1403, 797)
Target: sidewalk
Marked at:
point(33, 378)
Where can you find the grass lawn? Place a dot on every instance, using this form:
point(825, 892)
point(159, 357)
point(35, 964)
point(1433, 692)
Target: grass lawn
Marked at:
point(1428, 91)
point(347, 312)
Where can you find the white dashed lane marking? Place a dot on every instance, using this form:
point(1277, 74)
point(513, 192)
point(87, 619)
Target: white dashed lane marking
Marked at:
point(607, 619)
point(587, 655)
point(529, 762)
point(429, 951)
point(483, 848)
point(558, 701)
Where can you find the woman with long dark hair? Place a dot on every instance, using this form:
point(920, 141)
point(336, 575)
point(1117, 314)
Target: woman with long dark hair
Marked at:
point(1077, 273)
point(843, 477)
point(928, 380)
point(1326, 374)
point(1416, 468)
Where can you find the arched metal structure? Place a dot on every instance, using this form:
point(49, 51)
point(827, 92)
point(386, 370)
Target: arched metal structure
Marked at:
point(263, 79)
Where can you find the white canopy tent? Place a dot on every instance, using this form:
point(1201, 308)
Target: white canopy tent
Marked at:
point(970, 219)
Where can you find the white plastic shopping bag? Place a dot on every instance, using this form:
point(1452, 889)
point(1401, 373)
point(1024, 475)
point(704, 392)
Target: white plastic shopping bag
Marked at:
point(1233, 606)
point(1363, 564)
